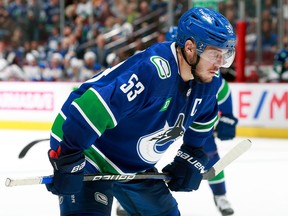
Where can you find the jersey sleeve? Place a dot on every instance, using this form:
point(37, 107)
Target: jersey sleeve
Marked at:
point(224, 98)
point(203, 126)
point(99, 105)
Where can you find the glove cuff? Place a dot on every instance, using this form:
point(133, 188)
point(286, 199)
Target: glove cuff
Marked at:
point(72, 163)
point(197, 152)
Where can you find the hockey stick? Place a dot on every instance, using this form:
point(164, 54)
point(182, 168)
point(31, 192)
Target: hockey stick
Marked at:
point(228, 158)
point(29, 146)
point(232, 155)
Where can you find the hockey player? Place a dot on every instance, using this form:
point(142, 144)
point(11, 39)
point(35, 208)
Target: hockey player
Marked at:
point(123, 119)
point(225, 130)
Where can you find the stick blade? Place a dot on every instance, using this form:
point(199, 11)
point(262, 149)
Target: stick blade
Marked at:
point(232, 155)
point(29, 146)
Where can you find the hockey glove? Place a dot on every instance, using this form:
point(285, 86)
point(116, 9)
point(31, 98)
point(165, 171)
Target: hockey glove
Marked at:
point(226, 127)
point(186, 169)
point(68, 172)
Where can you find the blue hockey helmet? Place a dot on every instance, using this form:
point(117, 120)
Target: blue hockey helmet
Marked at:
point(207, 27)
point(171, 34)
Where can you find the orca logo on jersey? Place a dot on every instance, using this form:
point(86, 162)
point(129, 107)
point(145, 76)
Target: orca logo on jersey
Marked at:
point(151, 147)
point(162, 66)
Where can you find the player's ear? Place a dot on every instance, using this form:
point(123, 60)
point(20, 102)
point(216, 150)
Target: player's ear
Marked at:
point(190, 47)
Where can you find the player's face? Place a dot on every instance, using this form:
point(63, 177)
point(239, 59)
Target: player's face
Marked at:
point(206, 69)
point(210, 62)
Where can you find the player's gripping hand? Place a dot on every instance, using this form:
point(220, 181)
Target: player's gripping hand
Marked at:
point(186, 169)
point(226, 127)
point(68, 172)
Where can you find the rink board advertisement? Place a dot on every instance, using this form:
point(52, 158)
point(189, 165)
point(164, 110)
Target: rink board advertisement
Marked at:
point(31, 105)
point(34, 105)
point(261, 105)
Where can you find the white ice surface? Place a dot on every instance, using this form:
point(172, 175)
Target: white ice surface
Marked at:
point(256, 182)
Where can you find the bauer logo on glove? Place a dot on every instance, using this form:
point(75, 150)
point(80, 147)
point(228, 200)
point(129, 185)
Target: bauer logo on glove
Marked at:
point(190, 160)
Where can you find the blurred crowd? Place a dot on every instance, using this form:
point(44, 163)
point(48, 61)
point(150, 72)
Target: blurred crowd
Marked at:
point(71, 40)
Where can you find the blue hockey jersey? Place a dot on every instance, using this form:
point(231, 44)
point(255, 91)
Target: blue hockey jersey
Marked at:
point(125, 117)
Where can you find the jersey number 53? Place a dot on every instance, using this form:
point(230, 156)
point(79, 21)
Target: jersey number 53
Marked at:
point(132, 88)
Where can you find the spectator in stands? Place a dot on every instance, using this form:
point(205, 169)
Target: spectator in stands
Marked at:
point(31, 68)
point(112, 59)
point(75, 71)
point(144, 9)
point(81, 29)
point(100, 50)
point(6, 23)
point(102, 11)
point(271, 7)
point(53, 70)
point(17, 37)
point(280, 65)
point(131, 11)
point(70, 11)
point(126, 29)
point(18, 12)
point(108, 24)
point(269, 38)
point(91, 65)
point(54, 39)
point(118, 8)
point(73, 42)
point(33, 20)
point(51, 14)
point(84, 8)
point(251, 35)
point(10, 70)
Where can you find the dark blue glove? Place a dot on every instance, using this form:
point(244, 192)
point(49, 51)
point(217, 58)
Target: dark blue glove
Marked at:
point(68, 172)
point(186, 169)
point(226, 127)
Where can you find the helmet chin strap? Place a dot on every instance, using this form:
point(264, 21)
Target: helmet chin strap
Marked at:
point(193, 66)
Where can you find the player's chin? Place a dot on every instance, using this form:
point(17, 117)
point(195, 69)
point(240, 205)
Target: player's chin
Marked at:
point(206, 79)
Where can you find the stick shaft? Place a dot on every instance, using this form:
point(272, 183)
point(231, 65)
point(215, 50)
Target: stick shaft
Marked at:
point(228, 158)
point(232, 155)
point(92, 177)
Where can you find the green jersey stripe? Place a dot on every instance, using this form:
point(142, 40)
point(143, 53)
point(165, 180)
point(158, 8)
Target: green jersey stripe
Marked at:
point(223, 93)
point(57, 126)
point(204, 127)
point(101, 161)
point(90, 105)
point(86, 119)
point(106, 106)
